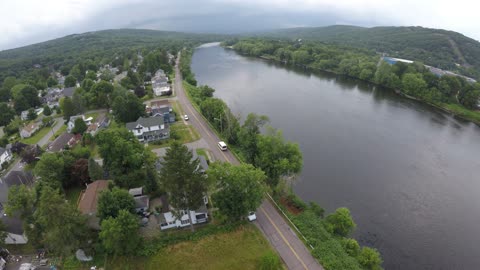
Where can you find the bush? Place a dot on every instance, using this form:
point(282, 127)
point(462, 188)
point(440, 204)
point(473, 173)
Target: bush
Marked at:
point(351, 247)
point(370, 258)
point(174, 134)
point(340, 222)
point(295, 201)
point(317, 209)
point(270, 261)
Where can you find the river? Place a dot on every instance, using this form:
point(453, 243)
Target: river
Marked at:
point(408, 173)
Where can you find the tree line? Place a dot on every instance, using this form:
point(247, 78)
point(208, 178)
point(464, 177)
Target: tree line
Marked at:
point(411, 79)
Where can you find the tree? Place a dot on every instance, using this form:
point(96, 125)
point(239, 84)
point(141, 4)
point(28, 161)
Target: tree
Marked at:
point(32, 115)
point(79, 101)
point(111, 202)
point(87, 84)
point(25, 96)
point(239, 188)
point(79, 171)
point(21, 201)
point(77, 73)
point(128, 108)
point(6, 114)
point(30, 153)
point(184, 184)
point(101, 91)
point(62, 226)
point(370, 258)
point(120, 235)
point(278, 158)
point(124, 157)
point(91, 75)
point(50, 169)
point(340, 222)
point(47, 111)
point(70, 81)
point(80, 126)
point(51, 81)
point(68, 108)
point(413, 84)
point(249, 135)
point(3, 233)
point(95, 171)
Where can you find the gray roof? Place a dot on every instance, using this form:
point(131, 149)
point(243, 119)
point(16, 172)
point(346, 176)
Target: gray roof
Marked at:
point(60, 142)
point(11, 179)
point(145, 122)
point(2, 150)
point(68, 92)
point(142, 201)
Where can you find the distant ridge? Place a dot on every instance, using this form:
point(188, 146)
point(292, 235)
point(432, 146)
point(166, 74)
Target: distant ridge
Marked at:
point(436, 47)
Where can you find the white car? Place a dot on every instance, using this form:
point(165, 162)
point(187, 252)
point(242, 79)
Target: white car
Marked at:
point(185, 117)
point(251, 216)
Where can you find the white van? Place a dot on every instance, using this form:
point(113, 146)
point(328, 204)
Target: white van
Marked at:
point(222, 145)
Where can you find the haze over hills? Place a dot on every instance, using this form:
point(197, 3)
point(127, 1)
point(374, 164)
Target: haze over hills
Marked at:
point(436, 47)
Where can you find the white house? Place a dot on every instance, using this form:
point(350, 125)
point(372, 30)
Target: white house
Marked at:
point(71, 121)
point(5, 155)
point(28, 130)
point(169, 220)
point(149, 129)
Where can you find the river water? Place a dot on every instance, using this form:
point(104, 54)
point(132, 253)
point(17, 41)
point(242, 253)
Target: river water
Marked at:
point(408, 173)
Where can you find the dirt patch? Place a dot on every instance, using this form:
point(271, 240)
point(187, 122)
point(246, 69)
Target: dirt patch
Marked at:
point(290, 206)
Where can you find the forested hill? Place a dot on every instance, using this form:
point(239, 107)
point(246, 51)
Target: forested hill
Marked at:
point(67, 51)
point(435, 47)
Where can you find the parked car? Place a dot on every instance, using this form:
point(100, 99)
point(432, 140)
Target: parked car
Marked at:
point(251, 216)
point(185, 117)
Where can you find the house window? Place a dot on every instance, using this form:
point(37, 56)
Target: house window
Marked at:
point(187, 221)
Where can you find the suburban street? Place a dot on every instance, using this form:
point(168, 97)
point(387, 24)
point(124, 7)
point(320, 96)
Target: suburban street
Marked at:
point(281, 236)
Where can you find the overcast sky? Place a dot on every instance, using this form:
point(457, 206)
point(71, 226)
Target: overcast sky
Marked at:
point(25, 22)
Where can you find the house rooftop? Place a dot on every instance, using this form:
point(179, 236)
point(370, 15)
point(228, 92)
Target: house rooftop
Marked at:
point(14, 178)
point(142, 201)
point(60, 142)
point(30, 127)
point(89, 199)
point(68, 92)
point(136, 191)
point(145, 122)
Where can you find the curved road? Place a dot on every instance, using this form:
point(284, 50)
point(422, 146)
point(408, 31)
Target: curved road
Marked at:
point(280, 235)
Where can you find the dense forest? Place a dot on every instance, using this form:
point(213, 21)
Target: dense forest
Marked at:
point(435, 47)
point(101, 47)
point(414, 80)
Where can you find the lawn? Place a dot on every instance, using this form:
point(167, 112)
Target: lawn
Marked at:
point(202, 152)
point(185, 133)
point(59, 132)
point(240, 249)
point(72, 194)
point(37, 136)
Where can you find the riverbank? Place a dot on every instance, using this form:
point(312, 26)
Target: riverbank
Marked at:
point(451, 108)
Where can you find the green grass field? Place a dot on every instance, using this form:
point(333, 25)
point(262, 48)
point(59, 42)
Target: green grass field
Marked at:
point(240, 249)
point(186, 134)
point(37, 136)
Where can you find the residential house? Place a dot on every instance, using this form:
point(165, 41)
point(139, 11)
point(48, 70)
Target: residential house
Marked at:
point(149, 129)
point(71, 121)
point(68, 92)
point(142, 202)
point(13, 224)
point(52, 97)
point(28, 130)
point(160, 84)
point(88, 202)
point(161, 108)
point(5, 155)
point(60, 142)
point(171, 218)
point(24, 115)
point(102, 121)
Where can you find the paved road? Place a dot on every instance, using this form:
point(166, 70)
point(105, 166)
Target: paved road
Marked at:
point(292, 251)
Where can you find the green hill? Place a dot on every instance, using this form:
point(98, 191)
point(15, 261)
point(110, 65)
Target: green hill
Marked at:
point(434, 47)
point(67, 51)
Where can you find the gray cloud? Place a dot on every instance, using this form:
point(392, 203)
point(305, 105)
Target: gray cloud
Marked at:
point(27, 21)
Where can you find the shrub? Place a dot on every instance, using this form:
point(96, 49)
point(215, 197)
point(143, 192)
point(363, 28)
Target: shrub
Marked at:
point(317, 209)
point(269, 261)
point(351, 247)
point(370, 258)
point(340, 222)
